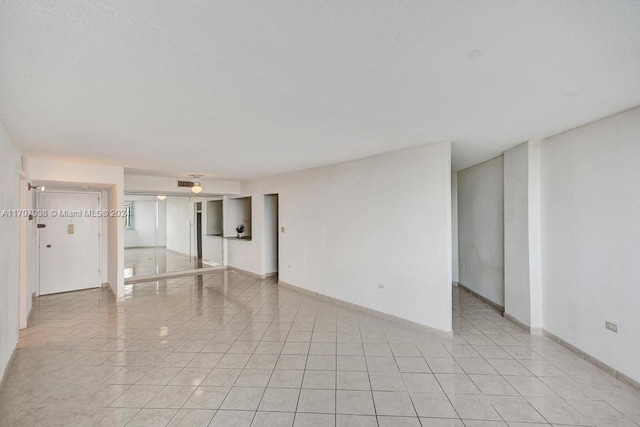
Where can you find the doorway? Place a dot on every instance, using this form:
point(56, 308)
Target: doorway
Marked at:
point(199, 230)
point(271, 234)
point(68, 241)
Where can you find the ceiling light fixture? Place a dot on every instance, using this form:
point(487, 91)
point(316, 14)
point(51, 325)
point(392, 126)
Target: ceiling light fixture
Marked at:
point(196, 188)
point(161, 197)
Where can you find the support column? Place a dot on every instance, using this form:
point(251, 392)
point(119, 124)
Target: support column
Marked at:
point(522, 268)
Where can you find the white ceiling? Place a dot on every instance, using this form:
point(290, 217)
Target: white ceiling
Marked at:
point(240, 89)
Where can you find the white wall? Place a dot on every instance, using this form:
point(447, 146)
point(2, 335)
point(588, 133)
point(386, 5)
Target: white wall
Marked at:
point(9, 169)
point(237, 211)
point(480, 229)
point(350, 227)
point(146, 184)
point(162, 223)
point(30, 262)
point(179, 222)
point(104, 240)
point(454, 228)
point(591, 238)
point(517, 297)
point(212, 249)
point(27, 248)
point(535, 236)
point(143, 233)
point(116, 243)
point(212, 222)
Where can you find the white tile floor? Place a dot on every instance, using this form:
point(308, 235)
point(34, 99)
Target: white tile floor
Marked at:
point(141, 262)
point(230, 350)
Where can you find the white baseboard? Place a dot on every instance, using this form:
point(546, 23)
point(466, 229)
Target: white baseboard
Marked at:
point(524, 326)
point(482, 297)
point(251, 273)
point(113, 292)
point(384, 316)
point(5, 374)
point(589, 358)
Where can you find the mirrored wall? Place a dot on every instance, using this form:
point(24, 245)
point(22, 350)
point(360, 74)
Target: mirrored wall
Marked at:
point(171, 234)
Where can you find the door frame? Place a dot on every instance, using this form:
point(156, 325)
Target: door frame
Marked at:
point(197, 233)
point(99, 194)
point(23, 254)
point(277, 231)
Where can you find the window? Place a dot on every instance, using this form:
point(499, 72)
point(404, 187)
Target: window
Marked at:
point(128, 216)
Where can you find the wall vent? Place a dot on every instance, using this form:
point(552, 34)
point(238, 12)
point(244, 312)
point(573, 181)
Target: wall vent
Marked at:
point(187, 184)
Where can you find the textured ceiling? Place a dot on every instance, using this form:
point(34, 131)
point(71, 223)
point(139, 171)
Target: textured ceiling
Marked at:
point(241, 89)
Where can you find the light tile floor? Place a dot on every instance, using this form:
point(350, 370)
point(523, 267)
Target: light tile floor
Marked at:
point(141, 262)
point(226, 349)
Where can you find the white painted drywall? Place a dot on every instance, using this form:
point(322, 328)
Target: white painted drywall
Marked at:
point(162, 223)
point(143, 233)
point(116, 243)
point(590, 186)
point(517, 298)
point(212, 248)
point(454, 227)
point(384, 220)
point(480, 229)
point(27, 254)
point(270, 233)
point(9, 169)
point(104, 240)
point(32, 260)
point(237, 210)
point(179, 222)
point(535, 237)
point(212, 223)
point(163, 185)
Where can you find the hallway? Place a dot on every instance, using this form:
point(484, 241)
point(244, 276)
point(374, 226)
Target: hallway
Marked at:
point(227, 349)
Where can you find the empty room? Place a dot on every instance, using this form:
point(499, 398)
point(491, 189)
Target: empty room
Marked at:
point(314, 213)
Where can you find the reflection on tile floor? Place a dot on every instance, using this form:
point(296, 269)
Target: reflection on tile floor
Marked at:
point(149, 261)
point(226, 349)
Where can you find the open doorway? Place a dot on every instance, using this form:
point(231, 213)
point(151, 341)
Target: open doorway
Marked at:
point(198, 218)
point(271, 234)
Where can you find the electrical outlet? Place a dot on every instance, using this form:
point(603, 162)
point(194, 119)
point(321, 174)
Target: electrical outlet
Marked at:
point(382, 287)
point(462, 266)
point(611, 326)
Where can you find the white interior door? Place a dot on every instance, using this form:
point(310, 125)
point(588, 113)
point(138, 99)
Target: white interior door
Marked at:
point(69, 243)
